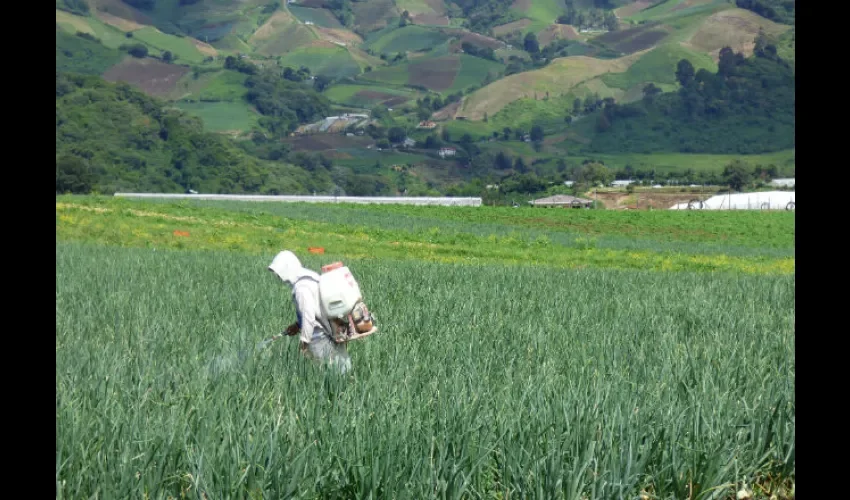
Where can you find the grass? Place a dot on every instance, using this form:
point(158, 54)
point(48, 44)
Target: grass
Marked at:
point(473, 71)
point(280, 34)
point(185, 50)
point(415, 7)
point(736, 28)
point(375, 14)
point(558, 78)
point(663, 241)
point(394, 75)
point(410, 38)
point(542, 13)
point(324, 59)
point(679, 162)
point(665, 11)
point(659, 66)
point(599, 382)
point(222, 116)
point(220, 86)
point(319, 17)
point(348, 94)
point(79, 55)
point(109, 36)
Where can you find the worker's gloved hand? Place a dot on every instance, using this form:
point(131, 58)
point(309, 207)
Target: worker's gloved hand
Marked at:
point(292, 329)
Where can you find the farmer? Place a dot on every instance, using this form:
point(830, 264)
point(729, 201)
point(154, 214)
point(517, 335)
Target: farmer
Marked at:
point(314, 329)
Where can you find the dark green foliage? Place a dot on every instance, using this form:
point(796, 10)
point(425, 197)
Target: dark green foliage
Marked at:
point(483, 14)
point(530, 43)
point(781, 11)
point(747, 107)
point(237, 64)
point(79, 7)
point(73, 175)
point(482, 52)
point(110, 137)
point(135, 50)
point(141, 4)
point(284, 104)
point(83, 55)
point(737, 175)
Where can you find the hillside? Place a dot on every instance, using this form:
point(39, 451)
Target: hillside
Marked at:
point(110, 137)
point(489, 74)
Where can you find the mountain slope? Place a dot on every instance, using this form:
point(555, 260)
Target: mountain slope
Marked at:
point(120, 139)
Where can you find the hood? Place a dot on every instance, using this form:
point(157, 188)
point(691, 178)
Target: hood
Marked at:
point(287, 266)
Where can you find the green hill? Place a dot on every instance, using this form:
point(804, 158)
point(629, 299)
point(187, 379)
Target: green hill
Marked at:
point(746, 107)
point(574, 71)
point(110, 137)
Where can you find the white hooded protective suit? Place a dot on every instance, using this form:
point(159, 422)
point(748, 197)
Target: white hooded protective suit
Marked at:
point(305, 292)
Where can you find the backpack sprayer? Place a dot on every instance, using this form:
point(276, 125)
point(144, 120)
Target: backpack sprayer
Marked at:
point(342, 304)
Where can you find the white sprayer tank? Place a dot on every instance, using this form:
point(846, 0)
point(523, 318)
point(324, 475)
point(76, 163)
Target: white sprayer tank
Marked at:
point(340, 292)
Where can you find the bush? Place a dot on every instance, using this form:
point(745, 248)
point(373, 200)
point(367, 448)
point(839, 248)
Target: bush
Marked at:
point(136, 50)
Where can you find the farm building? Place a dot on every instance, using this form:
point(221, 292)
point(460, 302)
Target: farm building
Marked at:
point(569, 183)
point(427, 124)
point(783, 182)
point(408, 142)
point(447, 152)
point(562, 200)
point(622, 183)
point(768, 200)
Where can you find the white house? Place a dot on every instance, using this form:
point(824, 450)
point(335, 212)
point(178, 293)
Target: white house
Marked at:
point(569, 183)
point(408, 142)
point(447, 152)
point(622, 183)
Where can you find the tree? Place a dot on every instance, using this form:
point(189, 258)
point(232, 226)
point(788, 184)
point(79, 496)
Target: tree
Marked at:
point(536, 133)
point(650, 91)
point(611, 21)
point(531, 44)
point(321, 82)
point(685, 72)
point(396, 134)
point(727, 61)
point(73, 175)
point(432, 142)
point(520, 166)
point(577, 106)
point(594, 172)
point(138, 50)
point(167, 56)
point(737, 175)
point(503, 161)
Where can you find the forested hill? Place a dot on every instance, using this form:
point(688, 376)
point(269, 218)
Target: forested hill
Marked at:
point(746, 107)
point(110, 137)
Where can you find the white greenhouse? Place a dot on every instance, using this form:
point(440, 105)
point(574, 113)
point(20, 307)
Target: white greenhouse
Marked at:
point(767, 200)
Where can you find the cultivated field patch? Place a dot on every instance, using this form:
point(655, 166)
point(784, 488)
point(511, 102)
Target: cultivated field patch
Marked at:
point(151, 76)
point(632, 8)
point(508, 28)
point(635, 39)
point(374, 14)
point(436, 73)
point(735, 28)
point(557, 32)
point(560, 77)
